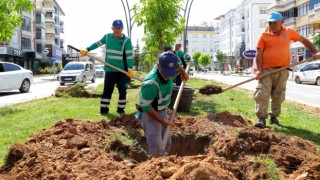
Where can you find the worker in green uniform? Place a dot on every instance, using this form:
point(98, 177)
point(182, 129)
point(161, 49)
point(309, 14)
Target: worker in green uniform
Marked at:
point(182, 62)
point(155, 96)
point(119, 53)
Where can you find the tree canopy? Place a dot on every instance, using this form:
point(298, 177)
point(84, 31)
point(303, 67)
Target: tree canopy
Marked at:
point(205, 59)
point(161, 22)
point(11, 12)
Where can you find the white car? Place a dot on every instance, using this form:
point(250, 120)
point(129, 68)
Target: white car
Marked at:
point(308, 73)
point(99, 70)
point(13, 76)
point(77, 72)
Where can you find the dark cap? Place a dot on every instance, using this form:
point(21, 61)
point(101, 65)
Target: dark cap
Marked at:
point(117, 24)
point(168, 62)
point(167, 48)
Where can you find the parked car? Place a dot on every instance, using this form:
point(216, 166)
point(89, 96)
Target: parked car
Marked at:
point(13, 76)
point(191, 71)
point(77, 72)
point(308, 73)
point(99, 70)
point(248, 71)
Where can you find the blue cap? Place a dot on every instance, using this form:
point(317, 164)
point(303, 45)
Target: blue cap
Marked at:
point(117, 24)
point(168, 63)
point(275, 16)
point(167, 48)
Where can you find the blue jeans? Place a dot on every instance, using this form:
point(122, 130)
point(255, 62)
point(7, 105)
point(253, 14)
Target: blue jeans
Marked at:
point(154, 132)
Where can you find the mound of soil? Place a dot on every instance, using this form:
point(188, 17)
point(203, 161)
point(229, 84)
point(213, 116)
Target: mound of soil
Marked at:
point(210, 89)
point(218, 146)
point(76, 90)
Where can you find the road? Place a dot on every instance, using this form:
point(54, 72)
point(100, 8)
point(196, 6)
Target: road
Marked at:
point(308, 94)
point(42, 87)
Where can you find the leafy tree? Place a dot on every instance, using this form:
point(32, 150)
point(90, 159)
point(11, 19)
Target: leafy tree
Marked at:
point(195, 57)
point(205, 59)
point(221, 57)
point(11, 12)
point(316, 39)
point(161, 22)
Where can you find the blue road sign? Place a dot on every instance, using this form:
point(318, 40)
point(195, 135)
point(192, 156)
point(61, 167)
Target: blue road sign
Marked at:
point(249, 53)
point(53, 58)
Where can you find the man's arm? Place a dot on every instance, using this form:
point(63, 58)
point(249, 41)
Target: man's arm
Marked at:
point(183, 73)
point(259, 61)
point(154, 114)
point(308, 44)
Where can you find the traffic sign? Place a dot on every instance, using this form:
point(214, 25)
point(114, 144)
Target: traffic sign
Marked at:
point(249, 54)
point(53, 58)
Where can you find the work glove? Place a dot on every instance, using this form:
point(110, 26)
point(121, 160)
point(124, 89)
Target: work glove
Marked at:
point(130, 73)
point(83, 52)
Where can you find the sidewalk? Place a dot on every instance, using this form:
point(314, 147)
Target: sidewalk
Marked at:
point(44, 77)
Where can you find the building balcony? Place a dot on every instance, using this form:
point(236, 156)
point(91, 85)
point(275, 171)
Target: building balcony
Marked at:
point(317, 7)
point(282, 5)
point(289, 21)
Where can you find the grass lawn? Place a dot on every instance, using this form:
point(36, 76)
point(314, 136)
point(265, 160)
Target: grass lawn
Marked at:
point(19, 121)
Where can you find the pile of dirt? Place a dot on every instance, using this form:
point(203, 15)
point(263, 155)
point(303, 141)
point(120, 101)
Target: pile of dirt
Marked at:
point(218, 146)
point(76, 90)
point(210, 89)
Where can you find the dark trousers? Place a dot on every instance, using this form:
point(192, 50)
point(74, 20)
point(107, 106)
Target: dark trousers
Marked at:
point(178, 80)
point(110, 80)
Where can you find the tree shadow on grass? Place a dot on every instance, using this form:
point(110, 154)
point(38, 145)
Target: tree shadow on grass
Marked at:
point(302, 133)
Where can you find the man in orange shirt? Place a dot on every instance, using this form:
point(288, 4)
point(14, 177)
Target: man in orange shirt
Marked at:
point(273, 51)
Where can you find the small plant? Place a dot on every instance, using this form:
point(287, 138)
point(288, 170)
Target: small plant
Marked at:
point(273, 170)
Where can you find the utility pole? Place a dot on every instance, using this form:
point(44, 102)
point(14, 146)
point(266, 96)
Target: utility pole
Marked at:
point(186, 14)
point(129, 20)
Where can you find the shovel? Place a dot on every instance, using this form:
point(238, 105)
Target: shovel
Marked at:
point(175, 107)
point(267, 74)
point(107, 64)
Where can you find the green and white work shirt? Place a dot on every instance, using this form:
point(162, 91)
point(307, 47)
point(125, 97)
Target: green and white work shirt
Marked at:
point(114, 51)
point(153, 88)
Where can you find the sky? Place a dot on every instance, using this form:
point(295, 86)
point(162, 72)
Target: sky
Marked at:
point(87, 21)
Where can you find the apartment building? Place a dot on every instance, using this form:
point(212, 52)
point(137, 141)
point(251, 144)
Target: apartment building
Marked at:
point(304, 17)
point(37, 39)
point(239, 30)
point(199, 38)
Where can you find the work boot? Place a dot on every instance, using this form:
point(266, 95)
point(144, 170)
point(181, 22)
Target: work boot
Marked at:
point(104, 111)
point(261, 123)
point(274, 120)
point(120, 111)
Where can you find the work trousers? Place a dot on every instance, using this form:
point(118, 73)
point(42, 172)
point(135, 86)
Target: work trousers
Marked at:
point(273, 86)
point(110, 80)
point(154, 132)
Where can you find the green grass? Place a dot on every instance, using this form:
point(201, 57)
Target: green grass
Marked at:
point(19, 121)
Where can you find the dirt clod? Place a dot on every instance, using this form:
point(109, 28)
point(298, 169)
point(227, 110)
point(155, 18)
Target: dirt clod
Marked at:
point(210, 89)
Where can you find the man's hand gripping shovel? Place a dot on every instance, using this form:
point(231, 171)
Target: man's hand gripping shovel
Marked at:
point(174, 111)
point(129, 74)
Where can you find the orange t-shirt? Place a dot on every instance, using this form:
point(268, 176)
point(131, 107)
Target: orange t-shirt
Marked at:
point(276, 48)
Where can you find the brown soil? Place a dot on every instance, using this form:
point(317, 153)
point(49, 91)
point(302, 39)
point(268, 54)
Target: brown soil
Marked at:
point(210, 89)
point(218, 146)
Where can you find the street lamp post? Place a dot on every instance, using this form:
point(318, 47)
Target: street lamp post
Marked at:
point(129, 20)
point(186, 16)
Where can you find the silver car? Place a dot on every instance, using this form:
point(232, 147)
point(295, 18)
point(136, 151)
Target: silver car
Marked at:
point(77, 72)
point(13, 76)
point(99, 70)
point(308, 73)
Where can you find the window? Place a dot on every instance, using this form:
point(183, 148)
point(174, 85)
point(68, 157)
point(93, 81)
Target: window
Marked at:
point(15, 40)
point(303, 9)
point(263, 10)
point(57, 31)
point(56, 41)
point(11, 67)
point(56, 20)
point(26, 42)
point(263, 23)
point(204, 36)
point(40, 19)
point(40, 48)
point(40, 34)
point(56, 10)
point(194, 35)
point(26, 24)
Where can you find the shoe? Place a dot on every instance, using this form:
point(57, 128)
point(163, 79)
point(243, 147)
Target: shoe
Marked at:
point(261, 123)
point(104, 111)
point(120, 111)
point(275, 121)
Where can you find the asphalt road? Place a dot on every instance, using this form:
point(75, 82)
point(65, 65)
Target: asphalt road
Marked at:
point(41, 88)
point(308, 94)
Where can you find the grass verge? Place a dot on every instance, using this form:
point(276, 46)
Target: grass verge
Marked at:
point(19, 121)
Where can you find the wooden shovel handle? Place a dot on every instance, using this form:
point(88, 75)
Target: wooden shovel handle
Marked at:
point(268, 73)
